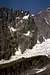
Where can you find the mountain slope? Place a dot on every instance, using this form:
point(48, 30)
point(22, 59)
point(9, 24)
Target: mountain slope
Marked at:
point(14, 26)
point(22, 33)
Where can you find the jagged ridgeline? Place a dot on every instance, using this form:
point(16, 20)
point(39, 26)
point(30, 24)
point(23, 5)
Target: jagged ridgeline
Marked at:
point(16, 32)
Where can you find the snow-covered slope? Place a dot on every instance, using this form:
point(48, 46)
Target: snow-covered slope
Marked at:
point(42, 49)
point(38, 49)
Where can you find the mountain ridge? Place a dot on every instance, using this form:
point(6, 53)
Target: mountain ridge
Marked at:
point(20, 25)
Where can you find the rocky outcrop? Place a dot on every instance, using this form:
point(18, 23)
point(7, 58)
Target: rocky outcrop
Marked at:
point(17, 33)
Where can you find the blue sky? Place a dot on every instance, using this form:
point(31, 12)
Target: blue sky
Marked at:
point(26, 4)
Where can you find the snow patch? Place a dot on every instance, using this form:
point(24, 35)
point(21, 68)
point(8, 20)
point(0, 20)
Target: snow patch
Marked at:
point(12, 29)
point(40, 70)
point(18, 52)
point(21, 21)
point(27, 34)
point(32, 15)
point(46, 21)
point(17, 17)
point(26, 17)
point(22, 11)
point(48, 8)
point(38, 42)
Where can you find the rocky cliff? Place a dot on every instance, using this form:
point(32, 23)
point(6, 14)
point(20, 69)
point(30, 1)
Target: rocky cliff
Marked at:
point(24, 42)
point(18, 32)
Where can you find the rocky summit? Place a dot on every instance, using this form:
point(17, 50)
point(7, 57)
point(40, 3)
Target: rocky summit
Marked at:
point(18, 32)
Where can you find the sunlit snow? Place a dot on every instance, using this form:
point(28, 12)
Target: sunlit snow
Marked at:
point(38, 49)
point(40, 70)
point(32, 15)
point(27, 34)
point(12, 29)
point(26, 17)
point(46, 21)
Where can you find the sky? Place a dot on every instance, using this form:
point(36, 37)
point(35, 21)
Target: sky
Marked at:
point(26, 4)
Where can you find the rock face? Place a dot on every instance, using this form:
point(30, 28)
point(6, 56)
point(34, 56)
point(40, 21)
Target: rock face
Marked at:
point(42, 21)
point(16, 32)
